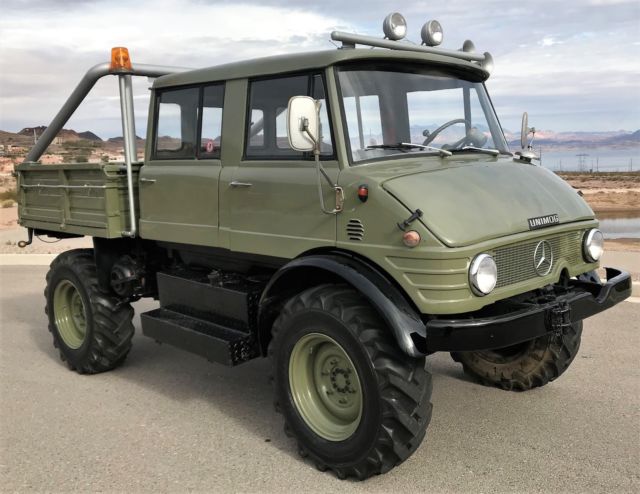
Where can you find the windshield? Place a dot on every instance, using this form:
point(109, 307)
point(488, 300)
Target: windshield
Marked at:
point(394, 112)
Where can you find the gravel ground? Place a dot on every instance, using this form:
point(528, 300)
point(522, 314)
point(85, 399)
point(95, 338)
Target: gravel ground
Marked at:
point(168, 421)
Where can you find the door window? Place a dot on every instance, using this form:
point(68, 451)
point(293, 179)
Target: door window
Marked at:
point(189, 123)
point(177, 124)
point(267, 125)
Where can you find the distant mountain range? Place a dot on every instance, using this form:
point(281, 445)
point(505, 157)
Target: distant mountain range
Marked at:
point(63, 135)
point(544, 138)
point(574, 140)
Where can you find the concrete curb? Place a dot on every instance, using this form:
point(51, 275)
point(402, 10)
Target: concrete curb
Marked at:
point(26, 259)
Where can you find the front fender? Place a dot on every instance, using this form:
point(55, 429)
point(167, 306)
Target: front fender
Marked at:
point(401, 318)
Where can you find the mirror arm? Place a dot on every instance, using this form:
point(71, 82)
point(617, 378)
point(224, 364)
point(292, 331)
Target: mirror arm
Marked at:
point(320, 171)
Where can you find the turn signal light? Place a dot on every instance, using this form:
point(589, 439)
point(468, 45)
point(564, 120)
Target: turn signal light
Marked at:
point(120, 58)
point(411, 238)
point(363, 193)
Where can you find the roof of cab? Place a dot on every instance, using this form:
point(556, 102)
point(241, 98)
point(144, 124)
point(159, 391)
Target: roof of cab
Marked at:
point(281, 64)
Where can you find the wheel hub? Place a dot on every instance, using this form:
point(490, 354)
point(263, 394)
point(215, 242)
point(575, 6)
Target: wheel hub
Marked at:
point(69, 314)
point(325, 387)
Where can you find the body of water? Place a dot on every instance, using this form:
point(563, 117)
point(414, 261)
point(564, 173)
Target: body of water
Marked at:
point(591, 159)
point(619, 224)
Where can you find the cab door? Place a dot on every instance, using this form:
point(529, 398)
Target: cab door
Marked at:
point(178, 186)
point(269, 192)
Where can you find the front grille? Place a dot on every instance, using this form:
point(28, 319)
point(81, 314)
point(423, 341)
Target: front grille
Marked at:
point(515, 262)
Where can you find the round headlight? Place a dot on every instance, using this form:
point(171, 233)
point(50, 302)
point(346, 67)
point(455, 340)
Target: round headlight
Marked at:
point(483, 274)
point(593, 245)
point(431, 33)
point(394, 26)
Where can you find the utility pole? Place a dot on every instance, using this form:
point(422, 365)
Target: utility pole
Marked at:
point(581, 160)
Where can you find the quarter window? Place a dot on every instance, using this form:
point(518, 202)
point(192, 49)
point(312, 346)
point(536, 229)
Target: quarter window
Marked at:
point(211, 133)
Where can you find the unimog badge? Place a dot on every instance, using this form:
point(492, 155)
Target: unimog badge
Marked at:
point(543, 221)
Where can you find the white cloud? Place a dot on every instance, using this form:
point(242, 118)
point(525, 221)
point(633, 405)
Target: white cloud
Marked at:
point(552, 58)
point(549, 41)
point(50, 53)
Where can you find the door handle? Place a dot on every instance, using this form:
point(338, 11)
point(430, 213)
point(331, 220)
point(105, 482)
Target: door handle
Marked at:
point(148, 180)
point(235, 183)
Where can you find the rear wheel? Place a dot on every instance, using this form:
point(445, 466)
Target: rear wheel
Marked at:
point(92, 330)
point(524, 366)
point(353, 401)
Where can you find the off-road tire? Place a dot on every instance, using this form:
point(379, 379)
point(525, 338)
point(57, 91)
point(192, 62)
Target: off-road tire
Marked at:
point(525, 366)
point(109, 326)
point(396, 388)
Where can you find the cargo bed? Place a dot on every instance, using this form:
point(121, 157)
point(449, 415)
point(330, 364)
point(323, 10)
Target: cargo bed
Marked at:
point(79, 199)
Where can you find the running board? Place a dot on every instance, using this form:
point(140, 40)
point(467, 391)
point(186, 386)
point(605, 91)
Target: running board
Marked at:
point(212, 341)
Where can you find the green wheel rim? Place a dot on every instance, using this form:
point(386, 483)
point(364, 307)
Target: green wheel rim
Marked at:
point(325, 387)
point(69, 314)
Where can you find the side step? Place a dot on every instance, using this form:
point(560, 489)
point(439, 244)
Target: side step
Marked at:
point(212, 341)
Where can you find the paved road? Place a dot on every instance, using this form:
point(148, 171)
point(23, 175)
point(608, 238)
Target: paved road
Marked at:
point(169, 421)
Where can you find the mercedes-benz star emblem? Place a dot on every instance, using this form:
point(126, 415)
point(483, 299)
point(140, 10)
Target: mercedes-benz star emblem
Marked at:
point(543, 258)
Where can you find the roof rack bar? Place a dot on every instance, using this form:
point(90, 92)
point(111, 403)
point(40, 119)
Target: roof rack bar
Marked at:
point(80, 93)
point(350, 40)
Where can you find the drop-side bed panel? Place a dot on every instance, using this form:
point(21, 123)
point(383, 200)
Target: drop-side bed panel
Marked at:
point(84, 199)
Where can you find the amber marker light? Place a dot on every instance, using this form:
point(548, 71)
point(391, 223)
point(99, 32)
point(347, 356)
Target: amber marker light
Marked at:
point(120, 60)
point(411, 238)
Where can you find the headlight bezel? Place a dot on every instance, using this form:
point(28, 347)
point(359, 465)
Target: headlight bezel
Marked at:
point(588, 242)
point(474, 269)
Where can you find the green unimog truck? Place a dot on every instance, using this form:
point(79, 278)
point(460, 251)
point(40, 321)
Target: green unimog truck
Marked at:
point(344, 213)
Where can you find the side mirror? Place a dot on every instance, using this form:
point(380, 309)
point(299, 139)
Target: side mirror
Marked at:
point(303, 124)
point(527, 154)
point(525, 130)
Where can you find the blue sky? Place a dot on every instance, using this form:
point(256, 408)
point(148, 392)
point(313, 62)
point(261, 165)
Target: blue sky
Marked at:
point(573, 65)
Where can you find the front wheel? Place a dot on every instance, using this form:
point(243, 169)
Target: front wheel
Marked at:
point(526, 365)
point(353, 401)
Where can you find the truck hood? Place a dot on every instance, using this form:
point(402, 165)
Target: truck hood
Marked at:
point(467, 203)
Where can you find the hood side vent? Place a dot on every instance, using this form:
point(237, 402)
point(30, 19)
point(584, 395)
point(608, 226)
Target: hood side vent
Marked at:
point(355, 230)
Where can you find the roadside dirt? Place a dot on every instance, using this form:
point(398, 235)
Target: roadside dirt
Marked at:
point(608, 191)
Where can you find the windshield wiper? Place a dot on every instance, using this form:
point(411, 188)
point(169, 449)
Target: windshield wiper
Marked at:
point(467, 149)
point(408, 146)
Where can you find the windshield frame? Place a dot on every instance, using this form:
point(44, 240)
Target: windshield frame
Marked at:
point(438, 69)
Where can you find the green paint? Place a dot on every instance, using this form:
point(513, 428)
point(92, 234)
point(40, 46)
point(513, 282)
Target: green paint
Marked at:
point(472, 203)
point(70, 314)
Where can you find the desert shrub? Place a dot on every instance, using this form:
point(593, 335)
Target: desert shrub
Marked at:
point(7, 203)
point(9, 194)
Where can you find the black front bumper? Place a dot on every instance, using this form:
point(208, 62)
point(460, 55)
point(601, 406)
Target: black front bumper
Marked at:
point(523, 318)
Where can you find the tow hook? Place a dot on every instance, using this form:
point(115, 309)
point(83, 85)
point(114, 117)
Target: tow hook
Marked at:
point(559, 318)
point(23, 243)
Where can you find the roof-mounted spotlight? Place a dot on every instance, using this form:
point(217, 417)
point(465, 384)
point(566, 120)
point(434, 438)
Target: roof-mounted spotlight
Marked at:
point(394, 26)
point(432, 33)
point(468, 46)
point(487, 64)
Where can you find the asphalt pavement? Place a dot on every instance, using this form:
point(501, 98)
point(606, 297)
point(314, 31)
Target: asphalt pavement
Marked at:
point(168, 421)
